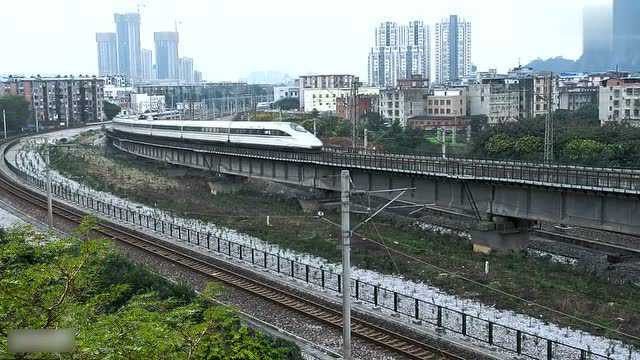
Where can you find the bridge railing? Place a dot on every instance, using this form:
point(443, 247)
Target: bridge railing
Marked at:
point(563, 176)
point(422, 311)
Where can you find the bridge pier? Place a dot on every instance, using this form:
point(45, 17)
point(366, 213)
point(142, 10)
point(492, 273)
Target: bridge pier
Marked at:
point(501, 233)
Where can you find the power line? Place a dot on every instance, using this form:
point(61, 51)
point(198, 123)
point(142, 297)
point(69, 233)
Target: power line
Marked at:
point(488, 287)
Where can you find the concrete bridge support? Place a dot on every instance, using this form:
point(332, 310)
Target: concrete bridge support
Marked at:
point(501, 233)
point(506, 210)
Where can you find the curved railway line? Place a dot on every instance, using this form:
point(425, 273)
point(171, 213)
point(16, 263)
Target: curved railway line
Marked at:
point(388, 338)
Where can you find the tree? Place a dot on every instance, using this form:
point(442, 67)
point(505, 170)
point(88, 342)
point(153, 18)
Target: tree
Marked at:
point(374, 122)
point(587, 151)
point(117, 309)
point(288, 103)
point(528, 147)
point(16, 110)
point(499, 144)
point(110, 109)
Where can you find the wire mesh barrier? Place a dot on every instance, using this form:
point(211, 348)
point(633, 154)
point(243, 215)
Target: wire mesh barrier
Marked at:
point(422, 312)
point(619, 180)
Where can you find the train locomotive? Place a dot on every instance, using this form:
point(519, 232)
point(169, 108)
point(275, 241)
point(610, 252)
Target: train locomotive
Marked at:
point(254, 134)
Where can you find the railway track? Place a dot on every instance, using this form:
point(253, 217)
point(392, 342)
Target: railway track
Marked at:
point(390, 339)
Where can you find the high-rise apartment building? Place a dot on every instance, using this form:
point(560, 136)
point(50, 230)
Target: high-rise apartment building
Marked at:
point(128, 39)
point(186, 69)
point(167, 60)
point(107, 54)
point(146, 68)
point(452, 50)
point(597, 37)
point(55, 100)
point(399, 52)
point(626, 33)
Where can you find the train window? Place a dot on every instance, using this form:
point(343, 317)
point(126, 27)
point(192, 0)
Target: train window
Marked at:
point(166, 127)
point(297, 127)
point(192, 128)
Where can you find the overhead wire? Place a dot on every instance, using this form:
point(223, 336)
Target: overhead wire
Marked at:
point(491, 288)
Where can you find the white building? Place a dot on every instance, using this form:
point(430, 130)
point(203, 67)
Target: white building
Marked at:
point(330, 81)
point(404, 101)
point(281, 92)
point(452, 50)
point(619, 101)
point(498, 99)
point(399, 52)
point(325, 100)
point(141, 103)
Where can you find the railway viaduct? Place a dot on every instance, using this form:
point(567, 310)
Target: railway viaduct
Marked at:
point(506, 197)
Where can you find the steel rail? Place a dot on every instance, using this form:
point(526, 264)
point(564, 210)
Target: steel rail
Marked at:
point(374, 333)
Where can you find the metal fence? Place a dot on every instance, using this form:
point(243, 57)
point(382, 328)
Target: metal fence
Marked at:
point(492, 333)
point(617, 180)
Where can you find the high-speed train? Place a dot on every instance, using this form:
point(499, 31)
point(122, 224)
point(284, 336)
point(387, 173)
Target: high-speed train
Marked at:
point(284, 135)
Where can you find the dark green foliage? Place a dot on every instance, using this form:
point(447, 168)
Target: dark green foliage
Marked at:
point(117, 310)
point(17, 112)
point(579, 139)
point(110, 109)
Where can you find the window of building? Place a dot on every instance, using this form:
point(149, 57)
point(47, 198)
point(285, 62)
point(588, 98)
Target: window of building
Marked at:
point(627, 102)
point(616, 93)
point(448, 102)
point(627, 113)
point(636, 112)
point(616, 103)
point(629, 91)
point(448, 111)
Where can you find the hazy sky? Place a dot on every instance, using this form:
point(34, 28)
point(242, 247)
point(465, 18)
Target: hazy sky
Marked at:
point(231, 38)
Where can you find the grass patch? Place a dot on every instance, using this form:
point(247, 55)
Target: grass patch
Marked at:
point(560, 287)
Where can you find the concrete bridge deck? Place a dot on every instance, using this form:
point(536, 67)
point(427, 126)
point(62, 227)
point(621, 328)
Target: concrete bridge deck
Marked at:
point(508, 195)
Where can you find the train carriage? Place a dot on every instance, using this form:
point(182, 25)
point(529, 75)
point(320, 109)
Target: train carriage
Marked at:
point(283, 135)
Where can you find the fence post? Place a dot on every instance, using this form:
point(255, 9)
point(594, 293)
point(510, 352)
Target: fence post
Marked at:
point(171, 229)
point(265, 259)
point(229, 248)
point(306, 273)
point(241, 251)
point(375, 295)
point(253, 257)
point(322, 278)
point(518, 342)
point(198, 238)
point(417, 309)
point(292, 269)
point(549, 349)
point(490, 333)
point(357, 289)
point(395, 301)
point(339, 284)
point(278, 263)
point(218, 239)
point(464, 324)
point(439, 316)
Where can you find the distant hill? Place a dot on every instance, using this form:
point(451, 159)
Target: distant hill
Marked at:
point(556, 64)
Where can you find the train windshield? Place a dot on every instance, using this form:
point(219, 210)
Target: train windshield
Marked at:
point(297, 127)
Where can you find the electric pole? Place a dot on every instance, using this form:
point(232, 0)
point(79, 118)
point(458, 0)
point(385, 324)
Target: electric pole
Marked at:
point(4, 122)
point(548, 124)
point(49, 200)
point(345, 182)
